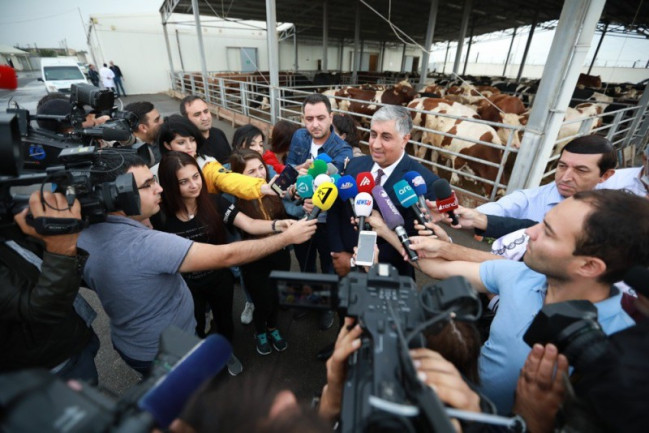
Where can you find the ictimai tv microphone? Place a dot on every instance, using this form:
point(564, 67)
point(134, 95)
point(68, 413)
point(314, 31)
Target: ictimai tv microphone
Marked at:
point(323, 198)
point(445, 199)
point(393, 219)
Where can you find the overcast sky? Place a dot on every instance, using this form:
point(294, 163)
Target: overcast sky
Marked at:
point(51, 23)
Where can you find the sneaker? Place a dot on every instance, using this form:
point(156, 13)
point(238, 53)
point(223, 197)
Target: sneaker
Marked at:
point(246, 314)
point(326, 319)
point(234, 365)
point(278, 342)
point(263, 346)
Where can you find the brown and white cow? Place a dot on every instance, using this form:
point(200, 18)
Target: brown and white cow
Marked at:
point(581, 111)
point(504, 109)
point(366, 102)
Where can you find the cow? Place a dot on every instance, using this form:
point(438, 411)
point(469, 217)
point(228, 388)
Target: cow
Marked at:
point(504, 109)
point(592, 81)
point(581, 111)
point(469, 94)
point(366, 102)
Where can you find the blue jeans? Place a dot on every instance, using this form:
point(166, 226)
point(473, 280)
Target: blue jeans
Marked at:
point(82, 365)
point(118, 86)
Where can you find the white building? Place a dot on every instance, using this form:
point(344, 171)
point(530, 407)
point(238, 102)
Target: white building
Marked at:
point(136, 44)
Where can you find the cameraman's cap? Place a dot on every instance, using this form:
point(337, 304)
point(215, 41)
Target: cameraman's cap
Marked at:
point(55, 107)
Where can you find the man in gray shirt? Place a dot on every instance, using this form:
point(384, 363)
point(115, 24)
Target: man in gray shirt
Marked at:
point(136, 271)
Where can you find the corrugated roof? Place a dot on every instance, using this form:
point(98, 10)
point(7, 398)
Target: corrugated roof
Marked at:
point(6, 49)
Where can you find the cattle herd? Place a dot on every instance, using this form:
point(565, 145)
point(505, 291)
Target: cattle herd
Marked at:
point(474, 125)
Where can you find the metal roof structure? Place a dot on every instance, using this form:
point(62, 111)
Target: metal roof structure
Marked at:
point(410, 16)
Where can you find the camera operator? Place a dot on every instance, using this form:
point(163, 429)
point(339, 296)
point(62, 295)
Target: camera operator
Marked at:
point(584, 245)
point(39, 296)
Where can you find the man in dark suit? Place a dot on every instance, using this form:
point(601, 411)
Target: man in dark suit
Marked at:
point(389, 134)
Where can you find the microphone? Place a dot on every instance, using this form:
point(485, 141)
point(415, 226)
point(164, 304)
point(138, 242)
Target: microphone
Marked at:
point(393, 219)
point(445, 199)
point(304, 186)
point(363, 204)
point(323, 157)
point(320, 179)
point(418, 183)
point(365, 182)
point(167, 398)
point(331, 169)
point(335, 177)
point(318, 167)
point(323, 198)
point(347, 189)
point(407, 198)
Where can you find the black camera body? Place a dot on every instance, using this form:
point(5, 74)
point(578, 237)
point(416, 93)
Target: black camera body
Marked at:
point(381, 390)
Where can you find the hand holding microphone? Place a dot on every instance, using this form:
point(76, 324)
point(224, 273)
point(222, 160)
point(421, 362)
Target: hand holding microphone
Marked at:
point(393, 219)
point(418, 184)
point(363, 204)
point(446, 199)
point(408, 199)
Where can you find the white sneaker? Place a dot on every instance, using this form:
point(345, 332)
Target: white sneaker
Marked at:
point(246, 315)
point(234, 366)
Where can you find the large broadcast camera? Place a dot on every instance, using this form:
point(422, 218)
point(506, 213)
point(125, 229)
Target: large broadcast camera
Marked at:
point(65, 161)
point(382, 392)
point(37, 401)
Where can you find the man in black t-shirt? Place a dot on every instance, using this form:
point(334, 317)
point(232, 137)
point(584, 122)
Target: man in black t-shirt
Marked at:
point(197, 111)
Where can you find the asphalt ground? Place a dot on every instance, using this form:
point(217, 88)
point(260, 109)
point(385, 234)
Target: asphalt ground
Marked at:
point(296, 369)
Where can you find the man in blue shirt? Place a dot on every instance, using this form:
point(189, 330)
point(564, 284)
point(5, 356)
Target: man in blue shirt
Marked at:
point(584, 245)
point(583, 163)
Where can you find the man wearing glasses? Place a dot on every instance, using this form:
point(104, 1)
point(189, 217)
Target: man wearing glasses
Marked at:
point(135, 271)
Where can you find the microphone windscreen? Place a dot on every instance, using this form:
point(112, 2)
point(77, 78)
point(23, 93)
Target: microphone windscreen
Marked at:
point(389, 211)
point(417, 182)
point(335, 177)
point(638, 278)
point(319, 167)
point(320, 179)
point(442, 189)
point(323, 157)
point(346, 187)
point(304, 186)
point(363, 204)
point(167, 398)
point(365, 182)
point(331, 169)
point(405, 194)
point(325, 196)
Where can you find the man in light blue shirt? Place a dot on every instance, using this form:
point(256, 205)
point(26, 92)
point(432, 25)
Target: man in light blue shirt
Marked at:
point(584, 245)
point(584, 163)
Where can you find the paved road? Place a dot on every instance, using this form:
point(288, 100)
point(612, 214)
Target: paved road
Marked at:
point(296, 368)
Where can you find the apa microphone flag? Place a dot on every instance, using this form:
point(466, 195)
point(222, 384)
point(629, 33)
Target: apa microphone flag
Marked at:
point(365, 182)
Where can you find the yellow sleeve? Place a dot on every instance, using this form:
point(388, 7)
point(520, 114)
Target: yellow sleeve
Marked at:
point(220, 179)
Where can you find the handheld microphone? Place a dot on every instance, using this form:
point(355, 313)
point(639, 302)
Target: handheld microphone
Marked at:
point(335, 177)
point(363, 204)
point(320, 179)
point(393, 219)
point(167, 398)
point(445, 198)
point(323, 157)
point(331, 169)
point(323, 198)
point(365, 182)
point(418, 183)
point(347, 189)
point(318, 167)
point(407, 198)
point(304, 186)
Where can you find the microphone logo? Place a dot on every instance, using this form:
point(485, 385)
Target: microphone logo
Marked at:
point(362, 202)
point(346, 185)
point(365, 181)
point(324, 192)
point(417, 181)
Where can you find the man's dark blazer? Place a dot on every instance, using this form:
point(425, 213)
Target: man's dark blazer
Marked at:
point(343, 237)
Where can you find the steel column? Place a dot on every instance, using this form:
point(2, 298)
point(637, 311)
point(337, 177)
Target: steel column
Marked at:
point(569, 48)
point(509, 52)
point(468, 48)
point(201, 48)
point(325, 35)
point(171, 63)
point(403, 59)
point(273, 59)
point(357, 38)
point(460, 38)
point(599, 44)
point(430, 34)
point(527, 45)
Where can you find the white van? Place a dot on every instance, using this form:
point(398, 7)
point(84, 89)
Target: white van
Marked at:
point(59, 74)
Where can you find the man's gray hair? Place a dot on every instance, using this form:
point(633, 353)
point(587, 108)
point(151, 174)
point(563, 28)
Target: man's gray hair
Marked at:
point(395, 112)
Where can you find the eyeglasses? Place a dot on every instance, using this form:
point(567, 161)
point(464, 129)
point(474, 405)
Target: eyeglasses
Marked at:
point(149, 183)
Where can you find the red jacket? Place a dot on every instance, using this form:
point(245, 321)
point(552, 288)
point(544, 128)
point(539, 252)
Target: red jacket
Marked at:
point(271, 159)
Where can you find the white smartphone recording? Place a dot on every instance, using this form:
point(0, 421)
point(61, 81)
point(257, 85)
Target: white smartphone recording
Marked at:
point(365, 250)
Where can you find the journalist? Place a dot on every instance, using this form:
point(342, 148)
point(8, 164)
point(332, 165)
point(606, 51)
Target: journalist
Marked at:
point(45, 322)
point(136, 271)
point(584, 245)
